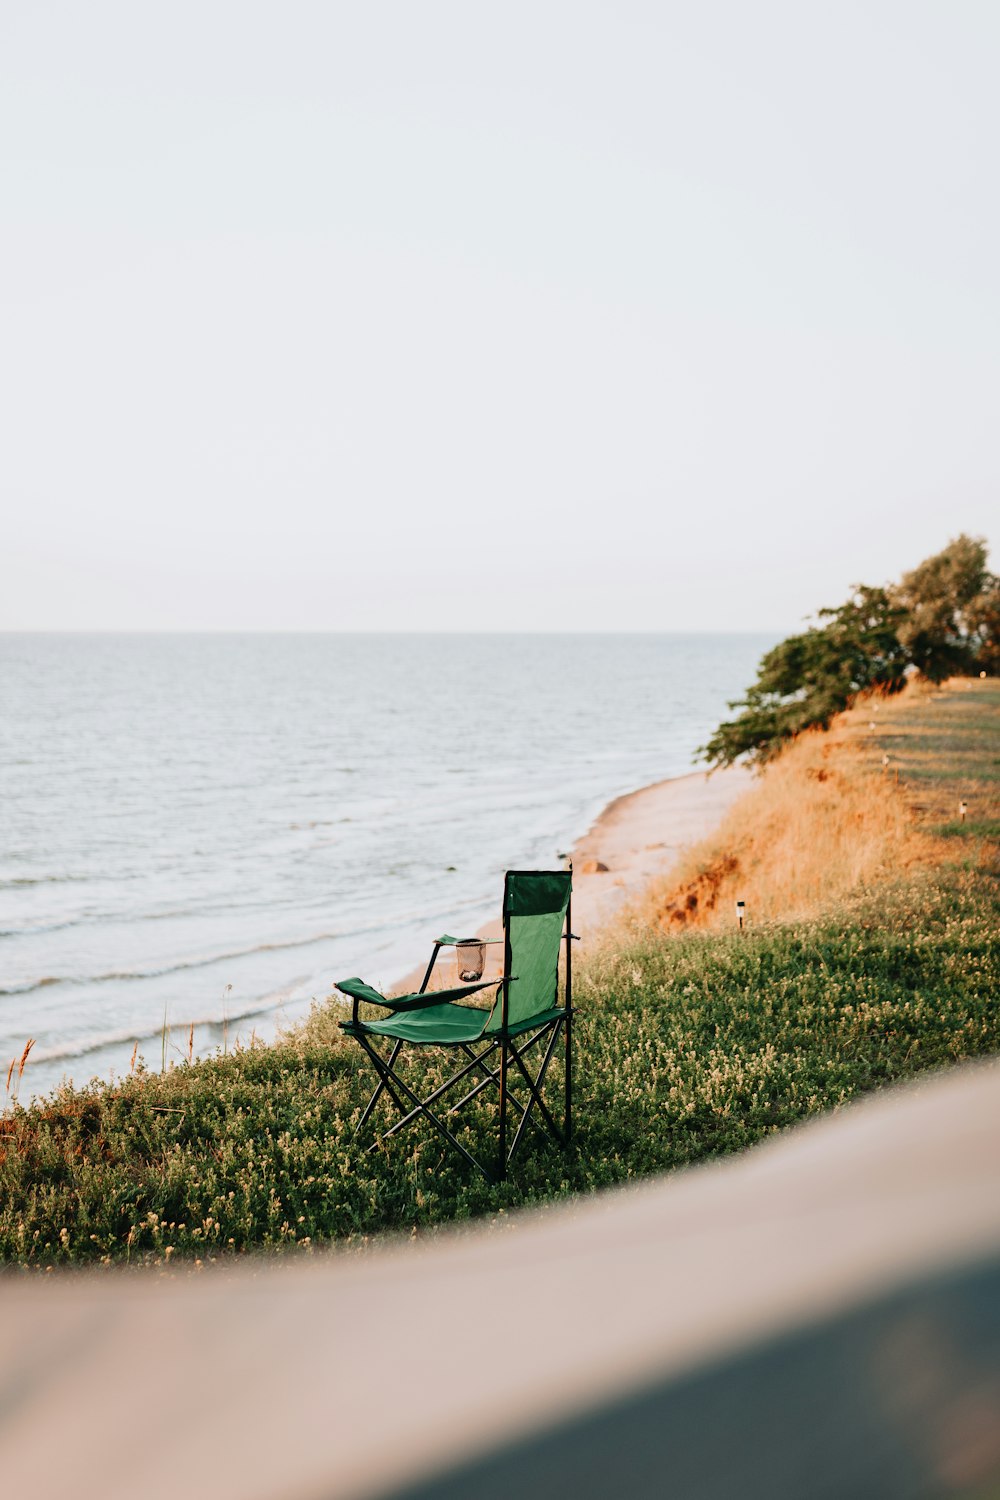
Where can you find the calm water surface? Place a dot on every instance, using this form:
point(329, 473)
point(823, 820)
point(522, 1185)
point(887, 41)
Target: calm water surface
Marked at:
point(212, 828)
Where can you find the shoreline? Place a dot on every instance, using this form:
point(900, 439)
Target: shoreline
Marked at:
point(633, 838)
point(636, 837)
point(640, 836)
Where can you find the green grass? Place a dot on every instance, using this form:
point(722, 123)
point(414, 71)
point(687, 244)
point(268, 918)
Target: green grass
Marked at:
point(688, 1047)
point(948, 742)
point(984, 828)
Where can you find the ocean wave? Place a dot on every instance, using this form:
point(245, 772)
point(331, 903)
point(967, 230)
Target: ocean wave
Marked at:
point(128, 975)
point(97, 1041)
point(107, 918)
point(117, 976)
point(35, 984)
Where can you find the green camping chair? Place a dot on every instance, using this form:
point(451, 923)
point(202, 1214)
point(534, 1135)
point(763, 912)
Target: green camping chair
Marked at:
point(525, 1014)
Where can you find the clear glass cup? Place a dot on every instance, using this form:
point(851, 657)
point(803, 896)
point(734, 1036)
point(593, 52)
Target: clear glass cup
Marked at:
point(470, 959)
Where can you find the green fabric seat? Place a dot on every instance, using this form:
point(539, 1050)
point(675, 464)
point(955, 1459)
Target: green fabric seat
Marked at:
point(443, 1025)
point(438, 1025)
point(524, 1011)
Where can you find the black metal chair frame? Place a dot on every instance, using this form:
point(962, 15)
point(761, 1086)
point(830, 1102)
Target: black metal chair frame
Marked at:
point(512, 1050)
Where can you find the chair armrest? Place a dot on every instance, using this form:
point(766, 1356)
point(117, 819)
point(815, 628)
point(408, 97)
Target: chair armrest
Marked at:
point(450, 942)
point(358, 991)
point(423, 998)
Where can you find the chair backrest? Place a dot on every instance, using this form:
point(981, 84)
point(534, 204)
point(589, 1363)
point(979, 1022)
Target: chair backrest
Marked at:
point(534, 914)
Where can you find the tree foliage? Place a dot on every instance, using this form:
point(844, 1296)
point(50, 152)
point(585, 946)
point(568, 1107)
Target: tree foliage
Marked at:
point(942, 618)
point(950, 606)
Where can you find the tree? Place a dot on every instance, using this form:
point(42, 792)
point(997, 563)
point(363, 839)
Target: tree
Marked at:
point(983, 617)
point(950, 611)
point(942, 618)
point(806, 679)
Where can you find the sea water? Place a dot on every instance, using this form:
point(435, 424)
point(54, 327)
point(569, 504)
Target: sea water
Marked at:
point(209, 830)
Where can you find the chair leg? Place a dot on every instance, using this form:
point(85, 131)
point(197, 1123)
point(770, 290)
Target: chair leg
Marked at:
point(535, 1089)
point(569, 1076)
point(503, 1110)
point(378, 1092)
point(492, 1076)
point(398, 1089)
point(431, 1098)
point(384, 1073)
point(536, 1098)
point(381, 1068)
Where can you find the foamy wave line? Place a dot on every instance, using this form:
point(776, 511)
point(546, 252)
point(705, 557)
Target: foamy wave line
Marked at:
point(194, 963)
point(111, 918)
point(97, 1041)
point(127, 975)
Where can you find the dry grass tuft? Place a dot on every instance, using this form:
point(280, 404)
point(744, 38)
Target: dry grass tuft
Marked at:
point(24, 1057)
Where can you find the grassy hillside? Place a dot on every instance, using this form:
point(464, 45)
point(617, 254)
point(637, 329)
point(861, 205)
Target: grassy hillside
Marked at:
point(871, 955)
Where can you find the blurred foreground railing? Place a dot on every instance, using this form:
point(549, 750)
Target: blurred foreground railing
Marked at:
point(819, 1318)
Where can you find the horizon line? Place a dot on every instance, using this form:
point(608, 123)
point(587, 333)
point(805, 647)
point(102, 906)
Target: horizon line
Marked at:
point(53, 630)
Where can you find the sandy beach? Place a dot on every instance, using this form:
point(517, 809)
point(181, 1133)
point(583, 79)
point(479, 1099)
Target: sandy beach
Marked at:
point(635, 838)
point(641, 835)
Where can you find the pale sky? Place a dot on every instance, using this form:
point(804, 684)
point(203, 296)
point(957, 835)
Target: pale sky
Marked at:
point(464, 316)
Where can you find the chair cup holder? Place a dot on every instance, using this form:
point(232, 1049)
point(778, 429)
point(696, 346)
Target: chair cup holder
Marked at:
point(470, 960)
